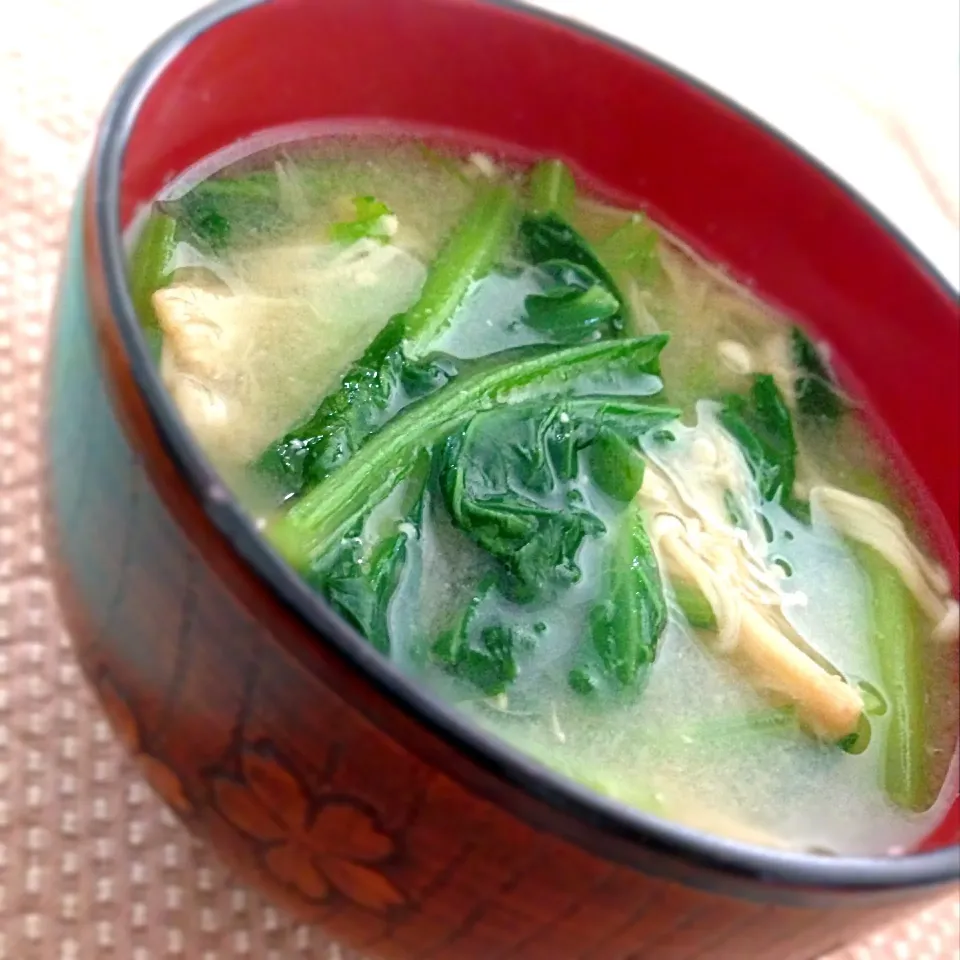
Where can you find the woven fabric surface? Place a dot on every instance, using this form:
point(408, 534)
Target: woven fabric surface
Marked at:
point(91, 865)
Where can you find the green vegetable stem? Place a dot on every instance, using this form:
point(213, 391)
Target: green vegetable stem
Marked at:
point(472, 250)
point(552, 188)
point(899, 649)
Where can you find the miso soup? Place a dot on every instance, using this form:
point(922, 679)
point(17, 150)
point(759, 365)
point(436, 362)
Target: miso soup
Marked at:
point(568, 475)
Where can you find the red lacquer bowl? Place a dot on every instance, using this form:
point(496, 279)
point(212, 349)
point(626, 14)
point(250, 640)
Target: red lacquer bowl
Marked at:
point(334, 783)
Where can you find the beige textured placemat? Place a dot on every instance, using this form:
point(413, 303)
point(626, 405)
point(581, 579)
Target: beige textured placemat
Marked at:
point(90, 865)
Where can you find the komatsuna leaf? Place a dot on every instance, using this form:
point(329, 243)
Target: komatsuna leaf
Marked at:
point(481, 656)
point(360, 587)
point(216, 212)
point(575, 307)
point(361, 574)
point(814, 386)
point(572, 312)
point(548, 239)
point(761, 424)
point(344, 420)
point(628, 619)
point(513, 481)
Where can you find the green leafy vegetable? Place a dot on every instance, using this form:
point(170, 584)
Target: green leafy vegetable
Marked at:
point(359, 585)
point(815, 388)
point(362, 573)
point(762, 426)
point(511, 479)
point(471, 251)
point(899, 649)
point(150, 271)
point(344, 420)
point(548, 239)
point(216, 211)
point(360, 589)
point(491, 666)
point(483, 657)
point(583, 681)
point(310, 524)
point(552, 188)
point(629, 619)
point(368, 222)
point(630, 250)
point(574, 308)
point(616, 465)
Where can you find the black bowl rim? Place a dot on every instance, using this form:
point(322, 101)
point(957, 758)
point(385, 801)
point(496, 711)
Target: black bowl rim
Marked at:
point(643, 832)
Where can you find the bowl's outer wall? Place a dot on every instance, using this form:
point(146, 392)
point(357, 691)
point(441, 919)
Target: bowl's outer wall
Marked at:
point(274, 756)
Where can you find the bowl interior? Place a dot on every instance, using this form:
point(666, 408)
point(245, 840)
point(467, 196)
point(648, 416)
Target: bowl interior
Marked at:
point(491, 73)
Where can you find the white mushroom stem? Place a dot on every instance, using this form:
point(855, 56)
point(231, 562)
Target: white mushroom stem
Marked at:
point(826, 704)
point(873, 525)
